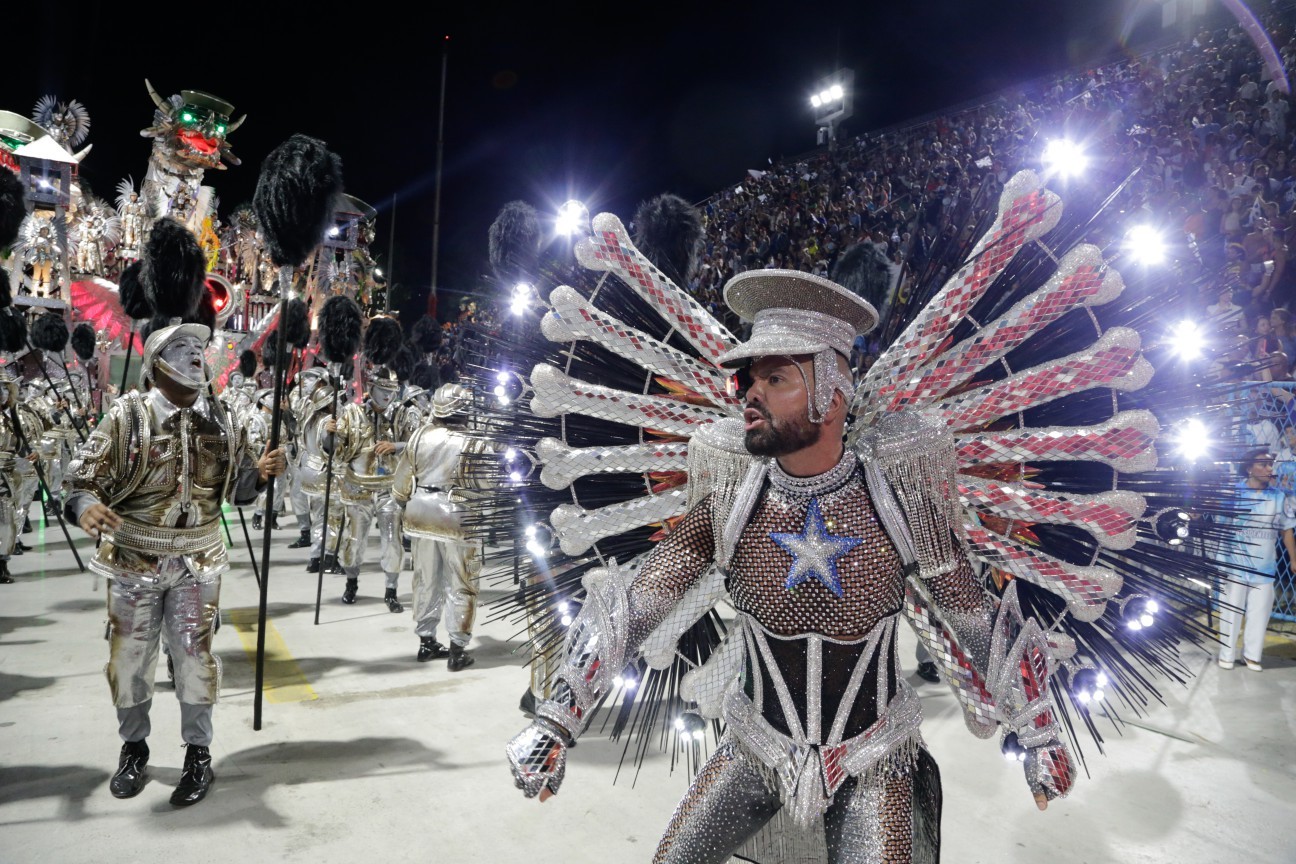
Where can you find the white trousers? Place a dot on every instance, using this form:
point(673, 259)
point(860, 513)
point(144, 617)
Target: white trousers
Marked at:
point(1256, 603)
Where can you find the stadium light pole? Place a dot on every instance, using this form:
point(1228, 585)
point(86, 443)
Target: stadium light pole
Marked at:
point(833, 100)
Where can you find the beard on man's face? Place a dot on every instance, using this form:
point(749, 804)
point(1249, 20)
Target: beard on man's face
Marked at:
point(780, 436)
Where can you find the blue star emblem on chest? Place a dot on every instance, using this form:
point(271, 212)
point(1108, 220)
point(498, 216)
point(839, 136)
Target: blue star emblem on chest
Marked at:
point(814, 551)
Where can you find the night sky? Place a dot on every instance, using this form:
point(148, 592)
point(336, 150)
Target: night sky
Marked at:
point(544, 101)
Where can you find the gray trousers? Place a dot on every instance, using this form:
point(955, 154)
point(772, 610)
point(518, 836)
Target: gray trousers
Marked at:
point(184, 606)
point(300, 500)
point(445, 580)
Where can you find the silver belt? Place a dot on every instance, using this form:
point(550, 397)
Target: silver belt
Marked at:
point(166, 542)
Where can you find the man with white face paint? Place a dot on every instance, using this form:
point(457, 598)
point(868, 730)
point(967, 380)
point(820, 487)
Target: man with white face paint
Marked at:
point(296, 412)
point(366, 441)
point(149, 485)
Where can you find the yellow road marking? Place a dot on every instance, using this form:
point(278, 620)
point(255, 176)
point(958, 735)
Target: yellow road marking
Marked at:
point(284, 680)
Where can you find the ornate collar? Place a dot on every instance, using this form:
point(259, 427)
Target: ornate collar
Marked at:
point(817, 484)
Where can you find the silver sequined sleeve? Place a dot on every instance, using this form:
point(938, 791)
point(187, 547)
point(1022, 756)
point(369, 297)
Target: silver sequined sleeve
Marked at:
point(100, 464)
point(618, 614)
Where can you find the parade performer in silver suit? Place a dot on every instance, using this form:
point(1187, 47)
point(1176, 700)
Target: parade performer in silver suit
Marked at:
point(316, 408)
point(429, 481)
point(294, 410)
point(821, 552)
point(149, 485)
point(365, 440)
point(15, 471)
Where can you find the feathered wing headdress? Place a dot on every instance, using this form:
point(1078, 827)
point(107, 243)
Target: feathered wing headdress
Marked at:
point(1007, 381)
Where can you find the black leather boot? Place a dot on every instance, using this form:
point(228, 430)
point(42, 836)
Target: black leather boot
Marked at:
point(195, 779)
point(393, 605)
point(459, 658)
point(258, 522)
point(431, 649)
point(313, 566)
point(5, 577)
point(301, 542)
point(274, 522)
point(331, 564)
point(132, 770)
point(170, 670)
point(349, 593)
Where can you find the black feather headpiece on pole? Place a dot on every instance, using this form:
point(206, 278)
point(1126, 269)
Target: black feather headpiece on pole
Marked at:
point(382, 340)
point(134, 302)
point(83, 341)
point(514, 243)
point(296, 192)
point(173, 270)
point(270, 349)
point(13, 331)
point(248, 364)
point(668, 231)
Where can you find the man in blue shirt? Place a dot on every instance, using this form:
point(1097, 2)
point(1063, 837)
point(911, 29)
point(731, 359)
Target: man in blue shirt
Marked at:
point(1266, 515)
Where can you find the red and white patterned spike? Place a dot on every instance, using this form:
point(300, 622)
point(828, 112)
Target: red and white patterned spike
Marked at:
point(557, 393)
point(1082, 279)
point(1086, 590)
point(1111, 517)
point(578, 529)
point(572, 318)
point(1027, 211)
point(609, 248)
point(1113, 361)
point(563, 465)
point(1126, 442)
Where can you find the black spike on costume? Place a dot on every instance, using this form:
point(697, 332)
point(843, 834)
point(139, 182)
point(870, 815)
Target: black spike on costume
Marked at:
point(270, 349)
point(426, 334)
point(668, 231)
point(6, 295)
point(515, 242)
point(83, 341)
point(130, 291)
point(299, 184)
point(49, 332)
point(382, 340)
point(173, 271)
point(297, 323)
point(247, 363)
point(12, 209)
point(13, 330)
point(340, 324)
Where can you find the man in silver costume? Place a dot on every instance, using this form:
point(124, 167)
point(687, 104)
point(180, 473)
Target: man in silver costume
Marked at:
point(294, 409)
point(364, 439)
point(815, 547)
point(256, 419)
point(431, 475)
point(17, 476)
point(149, 485)
point(315, 411)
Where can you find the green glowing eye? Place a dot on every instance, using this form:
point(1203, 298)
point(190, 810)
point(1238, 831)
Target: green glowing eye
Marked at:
point(220, 127)
point(187, 117)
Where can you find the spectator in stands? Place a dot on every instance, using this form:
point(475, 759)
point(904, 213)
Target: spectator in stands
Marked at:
point(1224, 315)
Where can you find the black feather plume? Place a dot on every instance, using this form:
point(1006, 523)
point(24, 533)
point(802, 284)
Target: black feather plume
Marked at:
point(403, 363)
point(130, 291)
point(205, 314)
point(12, 209)
point(299, 184)
point(269, 349)
point(174, 270)
point(668, 231)
point(297, 323)
point(515, 242)
point(863, 269)
point(83, 341)
point(13, 330)
point(6, 296)
point(247, 363)
point(49, 332)
point(426, 376)
point(426, 334)
point(382, 339)
point(340, 325)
